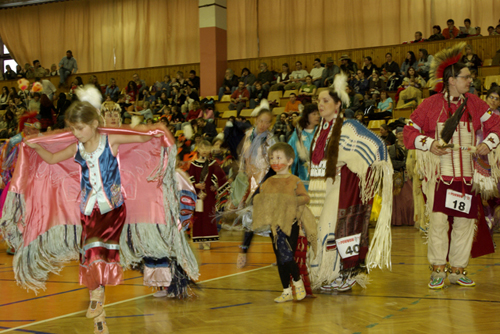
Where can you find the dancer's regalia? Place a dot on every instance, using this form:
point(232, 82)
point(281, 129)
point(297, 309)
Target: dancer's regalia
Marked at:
point(453, 185)
point(341, 200)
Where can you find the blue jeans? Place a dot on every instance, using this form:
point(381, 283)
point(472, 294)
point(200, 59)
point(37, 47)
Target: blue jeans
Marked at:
point(64, 73)
point(222, 90)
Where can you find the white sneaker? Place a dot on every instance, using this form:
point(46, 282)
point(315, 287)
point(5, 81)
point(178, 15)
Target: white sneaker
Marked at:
point(160, 293)
point(336, 283)
point(347, 285)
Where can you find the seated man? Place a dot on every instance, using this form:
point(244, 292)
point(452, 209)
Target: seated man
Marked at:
point(207, 129)
point(194, 81)
point(317, 73)
point(293, 104)
point(141, 84)
point(239, 98)
point(265, 76)
point(329, 73)
point(40, 72)
point(468, 29)
point(452, 31)
point(298, 77)
point(229, 85)
point(418, 37)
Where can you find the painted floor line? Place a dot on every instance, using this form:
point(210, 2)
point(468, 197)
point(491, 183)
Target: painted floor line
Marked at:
point(125, 301)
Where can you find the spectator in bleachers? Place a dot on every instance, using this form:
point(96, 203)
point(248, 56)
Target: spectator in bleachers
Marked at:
point(29, 71)
point(410, 61)
point(292, 104)
point(180, 78)
point(239, 98)
point(47, 113)
point(375, 84)
point(281, 127)
point(414, 78)
point(207, 129)
point(140, 84)
point(282, 79)
point(147, 97)
point(298, 77)
point(145, 111)
point(95, 82)
point(62, 105)
point(392, 69)
point(164, 86)
point(48, 87)
point(67, 66)
point(385, 106)
point(369, 67)
point(53, 71)
point(317, 73)
point(359, 83)
point(112, 90)
point(77, 83)
point(436, 34)
point(356, 102)
point(248, 78)
point(452, 31)
point(347, 65)
point(178, 98)
point(8, 127)
point(4, 98)
point(195, 111)
point(13, 93)
point(257, 95)
point(162, 101)
point(208, 112)
point(491, 31)
point(475, 86)
point(387, 136)
point(265, 76)
point(9, 74)
point(497, 30)
point(468, 29)
point(493, 99)
point(329, 73)
point(424, 63)
point(40, 72)
point(470, 59)
point(191, 94)
point(132, 92)
point(20, 72)
point(307, 91)
point(230, 83)
point(418, 37)
point(193, 81)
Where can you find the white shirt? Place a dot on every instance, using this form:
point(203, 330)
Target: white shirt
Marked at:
point(299, 74)
point(48, 87)
point(317, 72)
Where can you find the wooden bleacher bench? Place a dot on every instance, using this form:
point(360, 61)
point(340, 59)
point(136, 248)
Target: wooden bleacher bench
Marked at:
point(375, 125)
point(405, 112)
point(275, 96)
point(288, 92)
point(278, 110)
point(489, 80)
point(229, 113)
point(225, 98)
point(488, 62)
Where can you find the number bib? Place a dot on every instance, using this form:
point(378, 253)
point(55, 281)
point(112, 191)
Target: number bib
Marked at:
point(349, 246)
point(455, 201)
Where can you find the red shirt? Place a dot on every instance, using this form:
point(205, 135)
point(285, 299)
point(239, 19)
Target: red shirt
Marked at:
point(237, 93)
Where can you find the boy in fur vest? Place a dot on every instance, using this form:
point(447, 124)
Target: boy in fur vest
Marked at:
point(280, 206)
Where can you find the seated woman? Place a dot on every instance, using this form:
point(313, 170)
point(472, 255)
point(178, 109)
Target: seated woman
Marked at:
point(471, 59)
point(424, 63)
point(409, 62)
point(257, 94)
point(282, 79)
point(384, 107)
point(132, 92)
point(376, 84)
point(307, 91)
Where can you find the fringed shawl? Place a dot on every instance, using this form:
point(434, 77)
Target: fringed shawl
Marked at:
point(41, 217)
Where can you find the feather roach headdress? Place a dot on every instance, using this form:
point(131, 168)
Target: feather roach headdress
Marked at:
point(90, 94)
point(442, 60)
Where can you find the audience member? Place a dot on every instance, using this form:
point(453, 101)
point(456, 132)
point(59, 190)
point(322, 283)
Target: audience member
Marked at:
point(470, 59)
point(164, 86)
point(62, 105)
point(387, 136)
point(298, 77)
point(112, 90)
point(192, 94)
point(452, 31)
point(180, 78)
point(347, 65)
point(280, 127)
point(497, 30)
point(283, 78)
point(95, 82)
point(317, 73)
point(48, 88)
point(239, 98)
point(329, 73)
point(248, 78)
point(140, 84)
point(368, 67)
point(193, 81)
point(476, 86)
point(392, 69)
point(468, 29)
point(40, 72)
point(257, 95)
point(77, 83)
point(410, 61)
point(53, 71)
point(9, 74)
point(414, 79)
point(132, 92)
point(384, 107)
point(491, 31)
point(436, 34)
point(20, 72)
point(230, 83)
point(292, 104)
point(424, 63)
point(375, 84)
point(265, 76)
point(418, 37)
point(356, 102)
point(207, 129)
point(307, 91)
point(67, 66)
point(47, 113)
point(4, 98)
point(359, 83)
point(178, 99)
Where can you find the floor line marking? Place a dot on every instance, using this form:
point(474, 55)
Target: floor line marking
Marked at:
point(219, 307)
point(125, 301)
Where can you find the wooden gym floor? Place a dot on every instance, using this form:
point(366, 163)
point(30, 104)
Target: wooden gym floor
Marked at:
point(241, 301)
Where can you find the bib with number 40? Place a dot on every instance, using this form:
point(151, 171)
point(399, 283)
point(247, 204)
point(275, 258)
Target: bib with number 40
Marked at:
point(349, 246)
point(455, 201)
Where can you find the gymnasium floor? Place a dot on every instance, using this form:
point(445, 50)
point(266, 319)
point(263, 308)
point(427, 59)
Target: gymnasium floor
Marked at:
point(230, 300)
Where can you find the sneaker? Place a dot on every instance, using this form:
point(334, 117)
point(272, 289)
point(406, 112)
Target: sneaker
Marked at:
point(160, 293)
point(336, 283)
point(328, 287)
point(300, 291)
point(347, 284)
point(286, 296)
point(436, 283)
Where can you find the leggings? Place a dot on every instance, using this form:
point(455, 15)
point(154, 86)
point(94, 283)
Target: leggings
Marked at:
point(284, 255)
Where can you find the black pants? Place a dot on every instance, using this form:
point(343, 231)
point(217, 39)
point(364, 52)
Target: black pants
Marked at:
point(289, 267)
